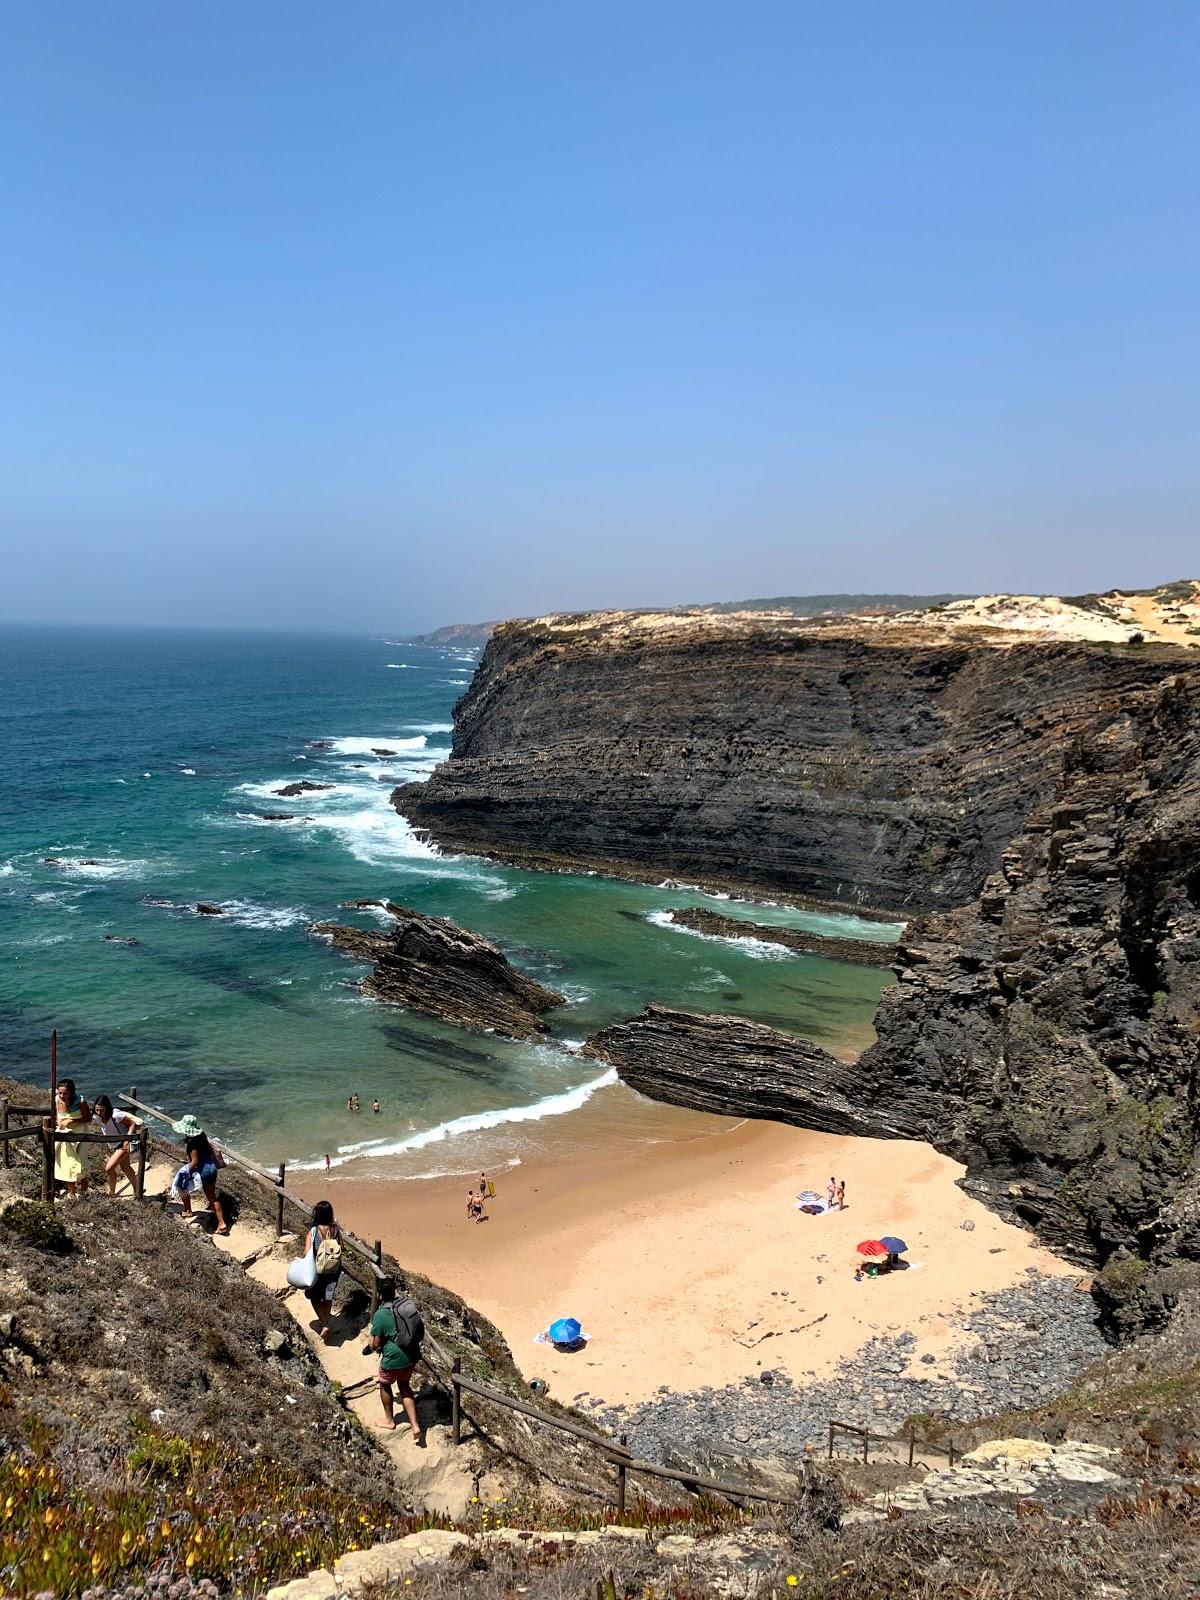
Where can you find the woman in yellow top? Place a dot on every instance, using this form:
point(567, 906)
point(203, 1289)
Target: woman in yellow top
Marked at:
point(70, 1111)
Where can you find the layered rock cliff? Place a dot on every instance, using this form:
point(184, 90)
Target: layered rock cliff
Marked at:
point(879, 767)
point(1047, 1034)
point(431, 965)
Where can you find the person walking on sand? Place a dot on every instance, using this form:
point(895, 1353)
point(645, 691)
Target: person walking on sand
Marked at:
point(327, 1161)
point(399, 1351)
point(474, 1207)
point(201, 1162)
point(71, 1112)
point(120, 1127)
point(324, 1239)
point(841, 1195)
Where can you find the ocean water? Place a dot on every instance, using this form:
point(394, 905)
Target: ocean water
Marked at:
point(136, 768)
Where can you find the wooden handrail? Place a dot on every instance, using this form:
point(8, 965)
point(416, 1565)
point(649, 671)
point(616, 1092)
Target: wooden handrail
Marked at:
point(615, 1452)
point(274, 1180)
point(230, 1155)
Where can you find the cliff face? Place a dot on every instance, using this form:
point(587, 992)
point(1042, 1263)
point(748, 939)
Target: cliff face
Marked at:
point(1047, 1035)
point(883, 768)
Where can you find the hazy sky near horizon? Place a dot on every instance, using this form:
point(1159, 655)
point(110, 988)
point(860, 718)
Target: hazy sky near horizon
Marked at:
point(378, 316)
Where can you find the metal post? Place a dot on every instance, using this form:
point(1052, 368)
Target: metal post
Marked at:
point(143, 1142)
point(621, 1480)
point(455, 1403)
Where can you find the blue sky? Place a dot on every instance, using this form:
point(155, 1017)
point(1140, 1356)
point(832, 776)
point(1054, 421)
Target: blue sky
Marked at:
point(379, 316)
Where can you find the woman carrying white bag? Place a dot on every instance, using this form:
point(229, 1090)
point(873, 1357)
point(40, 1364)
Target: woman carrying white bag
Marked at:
point(317, 1271)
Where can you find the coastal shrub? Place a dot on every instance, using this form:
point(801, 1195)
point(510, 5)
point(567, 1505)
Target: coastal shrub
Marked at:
point(197, 1510)
point(34, 1222)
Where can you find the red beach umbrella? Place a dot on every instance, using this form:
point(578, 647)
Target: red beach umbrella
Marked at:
point(872, 1247)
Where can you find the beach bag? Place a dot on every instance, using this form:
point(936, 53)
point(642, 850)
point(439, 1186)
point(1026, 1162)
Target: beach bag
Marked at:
point(302, 1272)
point(410, 1330)
point(187, 1182)
point(329, 1256)
point(218, 1157)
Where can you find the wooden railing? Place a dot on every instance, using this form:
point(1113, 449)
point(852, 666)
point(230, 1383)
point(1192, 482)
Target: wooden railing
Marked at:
point(926, 1446)
point(371, 1256)
point(615, 1451)
point(49, 1136)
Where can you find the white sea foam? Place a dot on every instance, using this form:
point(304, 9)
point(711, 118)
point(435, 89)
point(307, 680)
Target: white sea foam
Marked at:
point(120, 780)
point(757, 949)
point(99, 868)
point(400, 666)
point(430, 727)
point(8, 869)
point(552, 1105)
point(368, 747)
point(249, 914)
point(188, 772)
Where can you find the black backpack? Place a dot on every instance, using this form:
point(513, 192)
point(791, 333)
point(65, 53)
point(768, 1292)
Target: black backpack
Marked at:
point(410, 1330)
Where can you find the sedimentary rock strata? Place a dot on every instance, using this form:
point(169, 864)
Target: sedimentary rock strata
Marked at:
point(431, 965)
point(1047, 1034)
point(864, 952)
point(882, 767)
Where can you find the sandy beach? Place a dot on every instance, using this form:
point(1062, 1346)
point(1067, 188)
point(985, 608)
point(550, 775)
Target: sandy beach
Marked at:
point(685, 1259)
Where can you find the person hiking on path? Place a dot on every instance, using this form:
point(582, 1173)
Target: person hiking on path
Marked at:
point(398, 1341)
point(325, 1241)
point(70, 1112)
point(120, 1127)
point(201, 1160)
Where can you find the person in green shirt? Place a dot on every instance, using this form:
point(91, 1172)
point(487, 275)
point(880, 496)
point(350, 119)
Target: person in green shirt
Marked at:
point(395, 1367)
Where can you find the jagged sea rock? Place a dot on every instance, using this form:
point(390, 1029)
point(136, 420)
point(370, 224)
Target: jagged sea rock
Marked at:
point(864, 952)
point(431, 965)
point(303, 786)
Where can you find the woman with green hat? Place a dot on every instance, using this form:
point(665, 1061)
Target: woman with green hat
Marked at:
point(201, 1160)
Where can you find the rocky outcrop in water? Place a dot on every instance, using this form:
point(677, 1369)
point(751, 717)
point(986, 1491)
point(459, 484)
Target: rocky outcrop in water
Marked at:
point(1047, 1035)
point(430, 965)
point(304, 786)
point(864, 952)
point(873, 767)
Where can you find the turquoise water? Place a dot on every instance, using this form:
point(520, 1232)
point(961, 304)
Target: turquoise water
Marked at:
point(141, 761)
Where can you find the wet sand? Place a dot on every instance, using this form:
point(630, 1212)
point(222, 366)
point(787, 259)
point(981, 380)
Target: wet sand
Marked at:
point(684, 1258)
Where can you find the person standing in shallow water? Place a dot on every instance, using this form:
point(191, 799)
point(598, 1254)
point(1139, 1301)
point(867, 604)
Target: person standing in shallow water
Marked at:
point(375, 1107)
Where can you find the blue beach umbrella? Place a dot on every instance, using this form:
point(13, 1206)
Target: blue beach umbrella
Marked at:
point(565, 1331)
point(896, 1247)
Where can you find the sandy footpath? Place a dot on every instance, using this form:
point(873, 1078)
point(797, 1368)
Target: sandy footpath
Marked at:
point(685, 1259)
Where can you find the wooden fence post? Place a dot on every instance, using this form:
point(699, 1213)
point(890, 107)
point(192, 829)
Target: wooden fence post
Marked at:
point(7, 1156)
point(831, 1441)
point(621, 1479)
point(279, 1215)
point(455, 1402)
point(912, 1446)
point(282, 1173)
point(866, 1444)
point(47, 1160)
point(53, 1071)
point(951, 1444)
point(143, 1142)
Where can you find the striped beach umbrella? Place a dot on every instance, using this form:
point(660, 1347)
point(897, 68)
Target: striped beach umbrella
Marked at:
point(873, 1248)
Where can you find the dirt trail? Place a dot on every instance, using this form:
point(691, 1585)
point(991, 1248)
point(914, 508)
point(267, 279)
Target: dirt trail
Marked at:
point(438, 1477)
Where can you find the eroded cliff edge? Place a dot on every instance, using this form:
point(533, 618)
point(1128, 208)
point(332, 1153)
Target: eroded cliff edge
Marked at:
point(1047, 1034)
point(883, 768)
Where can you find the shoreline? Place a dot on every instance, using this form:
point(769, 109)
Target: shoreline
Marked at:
point(685, 1260)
